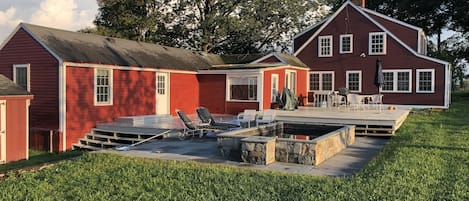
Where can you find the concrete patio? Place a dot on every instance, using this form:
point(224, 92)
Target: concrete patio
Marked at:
point(205, 150)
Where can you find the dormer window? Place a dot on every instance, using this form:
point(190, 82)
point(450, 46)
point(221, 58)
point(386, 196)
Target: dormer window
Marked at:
point(346, 43)
point(325, 46)
point(377, 43)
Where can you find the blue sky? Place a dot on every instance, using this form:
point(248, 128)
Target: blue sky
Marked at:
point(63, 14)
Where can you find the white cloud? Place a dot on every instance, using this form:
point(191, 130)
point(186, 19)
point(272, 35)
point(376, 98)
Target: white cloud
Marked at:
point(63, 14)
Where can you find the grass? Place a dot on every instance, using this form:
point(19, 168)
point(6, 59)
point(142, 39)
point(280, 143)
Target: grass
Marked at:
point(37, 158)
point(427, 160)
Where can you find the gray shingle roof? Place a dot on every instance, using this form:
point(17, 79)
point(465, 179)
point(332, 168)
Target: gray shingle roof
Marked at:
point(9, 88)
point(89, 48)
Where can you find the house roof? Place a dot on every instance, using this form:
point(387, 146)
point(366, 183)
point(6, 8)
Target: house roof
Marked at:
point(89, 48)
point(252, 60)
point(9, 88)
point(366, 13)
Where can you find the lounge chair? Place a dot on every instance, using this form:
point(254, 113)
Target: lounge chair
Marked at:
point(206, 117)
point(268, 116)
point(248, 116)
point(190, 128)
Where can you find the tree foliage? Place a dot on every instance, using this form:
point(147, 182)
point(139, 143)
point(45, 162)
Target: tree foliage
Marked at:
point(220, 26)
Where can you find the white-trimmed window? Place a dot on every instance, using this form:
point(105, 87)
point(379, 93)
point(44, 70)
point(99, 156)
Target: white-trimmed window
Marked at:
point(325, 46)
point(354, 81)
point(425, 80)
point(346, 43)
point(397, 81)
point(21, 76)
point(102, 86)
point(321, 81)
point(377, 43)
point(290, 80)
point(242, 88)
point(274, 82)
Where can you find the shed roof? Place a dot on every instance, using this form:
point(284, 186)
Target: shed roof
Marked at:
point(9, 88)
point(90, 48)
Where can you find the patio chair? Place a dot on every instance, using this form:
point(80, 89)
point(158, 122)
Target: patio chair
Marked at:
point(248, 116)
point(376, 100)
point(206, 117)
point(268, 116)
point(355, 101)
point(190, 128)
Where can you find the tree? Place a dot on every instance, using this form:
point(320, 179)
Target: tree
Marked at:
point(219, 26)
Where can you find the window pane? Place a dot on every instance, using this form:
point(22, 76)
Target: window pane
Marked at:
point(377, 43)
point(243, 88)
point(354, 81)
point(403, 81)
point(22, 77)
point(425, 81)
point(327, 81)
point(314, 82)
point(103, 86)
point(388, 81)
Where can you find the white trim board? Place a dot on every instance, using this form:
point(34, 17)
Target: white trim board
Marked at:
point(3, 130)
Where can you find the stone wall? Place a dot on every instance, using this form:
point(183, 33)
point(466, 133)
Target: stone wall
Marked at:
point(258, 150)
point(295, 151)
point(329, 145)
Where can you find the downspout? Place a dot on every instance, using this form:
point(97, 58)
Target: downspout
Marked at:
point(62, 104)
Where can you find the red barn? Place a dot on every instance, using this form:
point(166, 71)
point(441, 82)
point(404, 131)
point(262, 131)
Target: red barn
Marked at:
point(81, 79)
point(342, 51)
point(14, 120)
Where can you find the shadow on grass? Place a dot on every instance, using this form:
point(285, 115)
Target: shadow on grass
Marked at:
point(37, 158)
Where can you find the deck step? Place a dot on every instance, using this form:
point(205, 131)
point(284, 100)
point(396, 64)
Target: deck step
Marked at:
point(88, 141)
point(132, 140)
point(86, 147)
point(127, 130)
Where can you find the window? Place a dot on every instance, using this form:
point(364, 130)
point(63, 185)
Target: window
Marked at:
point(242, 88)
point(21, 75)
point(425, 80)
point(346, 43)
point(325, 46)
point(321, 81)
point(397, 81)
point(160, 84)
point(103, 87)
point(274, 88)
point(377, 43)
point(290, 80)
point(354, 83)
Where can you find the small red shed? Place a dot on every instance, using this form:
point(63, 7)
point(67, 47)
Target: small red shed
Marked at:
point(14, 121)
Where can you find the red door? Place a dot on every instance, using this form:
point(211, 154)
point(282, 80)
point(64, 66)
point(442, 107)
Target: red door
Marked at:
point(2, 131)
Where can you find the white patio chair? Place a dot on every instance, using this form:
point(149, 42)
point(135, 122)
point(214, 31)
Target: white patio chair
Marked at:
point(248, 116)
point(376, 101)
point(268, 116)
point(355, 101)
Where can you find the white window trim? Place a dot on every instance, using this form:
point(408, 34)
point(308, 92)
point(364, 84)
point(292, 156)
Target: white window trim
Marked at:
point(28, 73)
point(371, 34)
point(418, 80)
point(351, 43)
point(287, 72)
point(320, 80)
point(228, 88)
point(395, 72)
point(320, 46)
point(359, 82)
point(111, 88)
point(272, 87)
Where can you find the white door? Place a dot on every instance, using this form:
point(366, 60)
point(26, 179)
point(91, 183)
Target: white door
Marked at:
point(162, 93)
point(290, 80)
point(3, 131)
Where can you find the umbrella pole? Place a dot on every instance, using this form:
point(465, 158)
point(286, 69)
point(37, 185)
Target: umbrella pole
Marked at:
point(380, 99)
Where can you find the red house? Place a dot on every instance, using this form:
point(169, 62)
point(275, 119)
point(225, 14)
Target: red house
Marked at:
point(342, 49)
point(81, 79)
point(14, 112)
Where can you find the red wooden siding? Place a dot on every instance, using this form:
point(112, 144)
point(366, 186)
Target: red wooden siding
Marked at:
point(133, 94)
point(23, 49)
point(212, 92)
point(301, 81)
point(397, 57)
point(271, 59)
point(405, 34)
point(184, 93)
point(16, 131)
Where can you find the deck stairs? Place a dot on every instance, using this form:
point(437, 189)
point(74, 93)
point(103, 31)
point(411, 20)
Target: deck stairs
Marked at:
point(123, 132)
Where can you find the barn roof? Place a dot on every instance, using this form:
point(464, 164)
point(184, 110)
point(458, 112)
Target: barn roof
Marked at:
point(9, 88)
point(90, 48)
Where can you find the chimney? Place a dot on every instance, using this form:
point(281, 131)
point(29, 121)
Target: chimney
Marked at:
point(359, 3)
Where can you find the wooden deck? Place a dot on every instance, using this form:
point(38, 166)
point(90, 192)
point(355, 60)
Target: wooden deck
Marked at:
point(367, 122)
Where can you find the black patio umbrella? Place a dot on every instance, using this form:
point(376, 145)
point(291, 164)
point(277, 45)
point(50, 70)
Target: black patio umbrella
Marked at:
point(379, 77)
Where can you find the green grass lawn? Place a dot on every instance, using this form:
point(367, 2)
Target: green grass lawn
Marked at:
point(427, 160)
